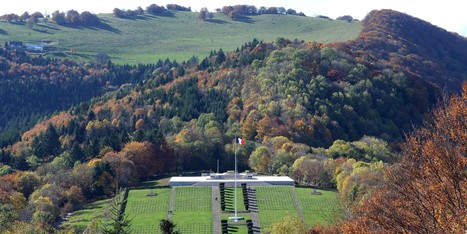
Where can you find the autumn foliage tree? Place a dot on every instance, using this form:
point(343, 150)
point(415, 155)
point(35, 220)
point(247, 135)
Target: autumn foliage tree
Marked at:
point(289, 224)
point(124, 169)
point(425, 193)
point(148, 159)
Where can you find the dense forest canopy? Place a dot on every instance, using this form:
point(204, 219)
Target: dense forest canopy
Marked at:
point(52, 85)
point(336, 110)
point(307, 92)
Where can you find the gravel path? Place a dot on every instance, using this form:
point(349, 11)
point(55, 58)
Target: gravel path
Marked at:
point(297, 204)
point(216, 210)
point(171, 206)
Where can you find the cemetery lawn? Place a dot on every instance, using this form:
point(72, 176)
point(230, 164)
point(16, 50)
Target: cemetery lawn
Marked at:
point(192, 208)
point(147, 211)
point(192, 212)
point(319, 209)
point(230, 201)
point(274, 203)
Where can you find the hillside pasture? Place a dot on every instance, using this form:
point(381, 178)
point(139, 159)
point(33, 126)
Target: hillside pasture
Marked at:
point(150, 38)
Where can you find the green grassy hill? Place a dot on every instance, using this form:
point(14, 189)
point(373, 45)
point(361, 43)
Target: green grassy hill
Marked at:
point(180, 36)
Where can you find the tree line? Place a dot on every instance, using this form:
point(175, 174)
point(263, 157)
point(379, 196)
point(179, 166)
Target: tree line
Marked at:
point(253, 10)
point(71, 17)
point(152, 9)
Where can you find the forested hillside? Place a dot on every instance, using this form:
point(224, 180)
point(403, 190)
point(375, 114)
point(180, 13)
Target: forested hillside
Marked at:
point(55, 81)
point(306, 92)
point(337, 108)
point(413, 46)
point(33, 87)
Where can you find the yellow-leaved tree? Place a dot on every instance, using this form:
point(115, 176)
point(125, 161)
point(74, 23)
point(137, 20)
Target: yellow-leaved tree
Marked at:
point(289, 225)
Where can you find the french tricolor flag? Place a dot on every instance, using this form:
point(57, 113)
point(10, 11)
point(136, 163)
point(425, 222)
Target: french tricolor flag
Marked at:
point(240, 141)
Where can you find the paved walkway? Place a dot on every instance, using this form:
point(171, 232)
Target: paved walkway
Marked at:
point(253, 207)
point(171, 206)
point(216, 210)
point(297, 204)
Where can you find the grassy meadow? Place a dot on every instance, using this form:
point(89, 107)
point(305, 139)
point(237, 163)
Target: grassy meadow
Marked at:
point(178, 36)
point(97, 212)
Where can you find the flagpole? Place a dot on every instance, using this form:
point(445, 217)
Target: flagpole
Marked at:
point(235, 181)
point(236, 218)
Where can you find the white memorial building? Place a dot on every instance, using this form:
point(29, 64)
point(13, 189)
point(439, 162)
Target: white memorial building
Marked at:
point(228, 178)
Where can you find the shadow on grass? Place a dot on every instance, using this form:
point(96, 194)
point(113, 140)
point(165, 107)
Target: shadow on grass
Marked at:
point(3, 32)
point(232, 229)
point(166, 14)
point(48, 26)
point(217, 21)
point(18, 22)
point(41, 30)
point(102, 25)
point(245, 19)
point(139, 17)
point(163, 14)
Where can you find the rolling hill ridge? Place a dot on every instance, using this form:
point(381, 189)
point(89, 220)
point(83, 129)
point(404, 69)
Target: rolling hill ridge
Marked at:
point(408, 44)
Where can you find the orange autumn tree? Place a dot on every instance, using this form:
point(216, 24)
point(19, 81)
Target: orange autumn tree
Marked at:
point(148, 159)
point(426, 192)
point(142, 155)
